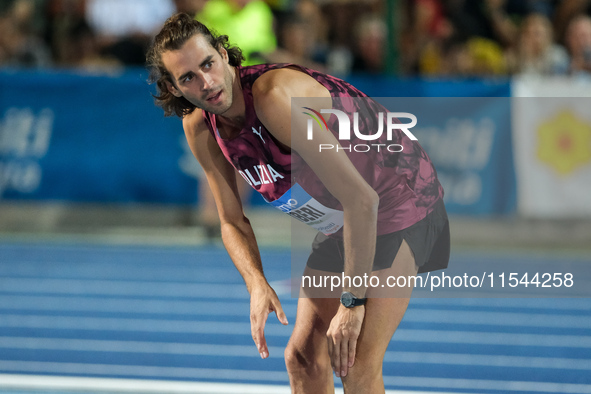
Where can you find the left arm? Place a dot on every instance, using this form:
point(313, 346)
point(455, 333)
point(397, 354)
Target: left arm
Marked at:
point(272, 98)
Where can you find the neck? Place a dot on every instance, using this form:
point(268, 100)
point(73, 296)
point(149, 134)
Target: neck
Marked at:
point(235, 114)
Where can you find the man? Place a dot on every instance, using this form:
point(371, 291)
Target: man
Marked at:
point(240, 118)
point(578, 43)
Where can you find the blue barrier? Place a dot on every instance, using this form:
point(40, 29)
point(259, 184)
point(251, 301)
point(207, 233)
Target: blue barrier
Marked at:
point(71, 137)
point(377, 86)
point(89, 139)
point(469, 141)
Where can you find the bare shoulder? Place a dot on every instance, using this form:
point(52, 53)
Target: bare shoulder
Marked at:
point(272, 95)
point(290, 82)
point(194, 123)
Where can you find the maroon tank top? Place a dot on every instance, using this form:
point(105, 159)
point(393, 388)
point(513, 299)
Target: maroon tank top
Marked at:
point(406, 181)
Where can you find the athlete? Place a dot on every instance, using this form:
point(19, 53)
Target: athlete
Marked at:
point(384, 206)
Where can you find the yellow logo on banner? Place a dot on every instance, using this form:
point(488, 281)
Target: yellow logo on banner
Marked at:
point(565, 142)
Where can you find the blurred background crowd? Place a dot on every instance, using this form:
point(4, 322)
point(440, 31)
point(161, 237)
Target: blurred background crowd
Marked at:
point(428, 38)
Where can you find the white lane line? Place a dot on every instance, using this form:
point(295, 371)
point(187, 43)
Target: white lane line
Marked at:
point(490, 360)
point(431, 316)
point(123, 305)
point(273, 329)
point(92, 345)
point(492, 318)
point(563, 304)
point(478, 385)
point(491, 338)
point(144, 371)
point(80, 249)
point(271, 376)
point(121, 288)
point(104, 385)
point(148, 386)
point(221, 290)
point(139, 325)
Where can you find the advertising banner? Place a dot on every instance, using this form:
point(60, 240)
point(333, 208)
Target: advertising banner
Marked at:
point(553, 156)
point(89, 139)
point(469, 142)
point(552, 136)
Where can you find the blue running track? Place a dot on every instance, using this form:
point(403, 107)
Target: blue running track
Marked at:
point(181, 314)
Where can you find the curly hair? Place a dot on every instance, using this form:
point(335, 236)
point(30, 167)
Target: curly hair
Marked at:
point(177, 30)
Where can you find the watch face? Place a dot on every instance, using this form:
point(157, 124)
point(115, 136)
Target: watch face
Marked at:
point(347, 299)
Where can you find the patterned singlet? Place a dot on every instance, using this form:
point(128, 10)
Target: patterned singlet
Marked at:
point(406, 181)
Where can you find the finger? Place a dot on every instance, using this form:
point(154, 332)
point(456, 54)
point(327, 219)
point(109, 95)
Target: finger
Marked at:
point(263, 349)
point(336, 357)
point(330, 350)
point(280, 314)
point(344, 357)
point(352, 351)
point(258, 335)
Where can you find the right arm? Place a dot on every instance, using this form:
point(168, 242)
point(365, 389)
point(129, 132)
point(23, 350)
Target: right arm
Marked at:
point(237, 233)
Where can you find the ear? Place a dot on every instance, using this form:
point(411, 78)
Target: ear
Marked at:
point(172, 89)
point(224, 54)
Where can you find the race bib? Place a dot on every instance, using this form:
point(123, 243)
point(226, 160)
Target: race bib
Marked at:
point(301, 206)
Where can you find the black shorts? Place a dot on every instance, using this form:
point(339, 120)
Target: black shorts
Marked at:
point(428, 239)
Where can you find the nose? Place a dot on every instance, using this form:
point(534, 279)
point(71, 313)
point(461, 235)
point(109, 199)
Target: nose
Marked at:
point(207, 81)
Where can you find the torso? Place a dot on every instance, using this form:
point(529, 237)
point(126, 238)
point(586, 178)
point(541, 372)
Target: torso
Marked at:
point(406, 182)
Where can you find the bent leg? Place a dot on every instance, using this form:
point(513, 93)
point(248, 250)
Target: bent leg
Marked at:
point(306, 355)
point(382, 317)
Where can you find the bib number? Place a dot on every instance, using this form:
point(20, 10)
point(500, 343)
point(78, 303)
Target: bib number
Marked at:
point(301, 206)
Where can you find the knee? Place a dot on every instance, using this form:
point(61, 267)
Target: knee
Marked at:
point(298, 363)
point(363, 376)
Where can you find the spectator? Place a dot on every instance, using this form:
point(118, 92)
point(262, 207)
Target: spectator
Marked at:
point(430, 39)
point(29, 13)
point(488, 19)
point(477, 57)
point(302, 37)
point(81, 51)
point(248, 23)
point(564, 13)
point(20, 45)
point(73, 42)
point(191, 7)
point(536, 52)
point(61, 16)
point(297, 44)
point(341, 20)
point(578, 42)
point(370, 39)
point(124, 27)
point(542, 7)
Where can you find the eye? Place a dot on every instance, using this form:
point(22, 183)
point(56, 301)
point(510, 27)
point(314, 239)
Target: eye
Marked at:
point(208, 65)
point(188, 78)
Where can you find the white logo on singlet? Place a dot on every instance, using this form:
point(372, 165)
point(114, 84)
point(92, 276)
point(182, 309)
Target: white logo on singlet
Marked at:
point(259, 133)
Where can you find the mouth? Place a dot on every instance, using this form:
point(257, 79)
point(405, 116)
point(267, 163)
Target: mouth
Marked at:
point(214, 97)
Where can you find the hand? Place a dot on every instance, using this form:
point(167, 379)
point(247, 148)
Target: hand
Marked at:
point(342, 336)
point(263, 301)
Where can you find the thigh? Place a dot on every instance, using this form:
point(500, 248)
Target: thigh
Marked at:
point(386, 305)
point(383, 312)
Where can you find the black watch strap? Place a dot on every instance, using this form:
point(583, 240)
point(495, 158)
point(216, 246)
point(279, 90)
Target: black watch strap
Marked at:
point(350, 301)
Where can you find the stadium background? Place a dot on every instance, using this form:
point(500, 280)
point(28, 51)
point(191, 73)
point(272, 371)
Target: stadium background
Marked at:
point(108, 283)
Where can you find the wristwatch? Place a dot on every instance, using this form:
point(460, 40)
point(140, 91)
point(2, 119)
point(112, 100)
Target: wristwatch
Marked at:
point(349, 300)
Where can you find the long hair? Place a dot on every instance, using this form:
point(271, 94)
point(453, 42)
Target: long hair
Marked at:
point(177, 30)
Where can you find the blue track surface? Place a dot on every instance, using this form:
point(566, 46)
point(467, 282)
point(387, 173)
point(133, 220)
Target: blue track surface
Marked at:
point(180, 313)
